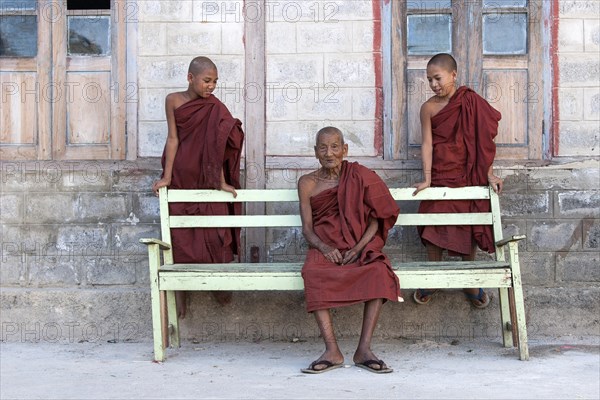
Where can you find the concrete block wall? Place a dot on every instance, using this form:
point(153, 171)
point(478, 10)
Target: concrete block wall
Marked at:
point(579, 74)
point(320, 67)
point(170, 35)
point(71, 267)
point(321, 63)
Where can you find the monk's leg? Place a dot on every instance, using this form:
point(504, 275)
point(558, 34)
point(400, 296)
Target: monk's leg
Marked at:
point(370, 317)
point(476, 296)
point(332, 352)
point(181, 302)
point(434, 253)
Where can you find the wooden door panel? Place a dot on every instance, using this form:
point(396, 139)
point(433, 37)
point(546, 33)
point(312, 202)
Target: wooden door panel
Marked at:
point(19, 108)
point(503, 90)
point(416, 94)
point(88, 111)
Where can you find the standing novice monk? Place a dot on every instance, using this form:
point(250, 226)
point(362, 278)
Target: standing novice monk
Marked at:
point(202, 151)
point(458, 128)
point(346, 212)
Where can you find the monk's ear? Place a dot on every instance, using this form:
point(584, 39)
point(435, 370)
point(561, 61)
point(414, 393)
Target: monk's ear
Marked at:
point(316, 152)
point(345, 149)
point(190, 77)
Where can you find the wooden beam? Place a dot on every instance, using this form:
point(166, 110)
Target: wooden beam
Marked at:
point(255, 128)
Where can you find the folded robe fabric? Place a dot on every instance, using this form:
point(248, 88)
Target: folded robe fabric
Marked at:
point(210, 140)
point(463, 135)
point(340, 217)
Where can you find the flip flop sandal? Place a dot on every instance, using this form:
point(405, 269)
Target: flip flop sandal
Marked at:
point(482, 297)
point(328, 367)
point(368, 365)
point(419, 294)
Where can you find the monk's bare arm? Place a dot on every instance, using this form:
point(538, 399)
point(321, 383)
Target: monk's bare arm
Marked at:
point(172, 143)
point(426, 146)
point(306, 185)
point(354, 253)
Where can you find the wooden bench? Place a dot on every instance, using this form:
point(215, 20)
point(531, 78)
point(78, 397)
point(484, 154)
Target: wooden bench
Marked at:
point(502, 272)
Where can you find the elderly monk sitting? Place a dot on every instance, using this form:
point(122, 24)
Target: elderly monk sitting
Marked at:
point(346, 212)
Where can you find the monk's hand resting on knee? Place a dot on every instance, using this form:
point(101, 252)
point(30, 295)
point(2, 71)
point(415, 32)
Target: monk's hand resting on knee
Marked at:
point(332, 254)
point(350, 256)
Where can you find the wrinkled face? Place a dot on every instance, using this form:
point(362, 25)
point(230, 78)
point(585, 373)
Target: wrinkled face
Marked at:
point(204, 83)
point(441, 81)
point(330, 151)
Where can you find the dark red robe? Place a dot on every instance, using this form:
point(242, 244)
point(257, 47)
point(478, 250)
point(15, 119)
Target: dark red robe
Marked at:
point(463, 135)
point(340, 217)
point(210, 139)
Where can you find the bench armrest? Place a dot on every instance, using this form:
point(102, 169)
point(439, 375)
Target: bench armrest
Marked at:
point(160, 243)
point(514, 238)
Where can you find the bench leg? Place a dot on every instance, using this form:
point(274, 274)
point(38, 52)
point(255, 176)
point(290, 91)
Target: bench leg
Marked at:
point(157, 326)
point(505, 318)
point(154, 259)
point(173, 319)
point(519, 301)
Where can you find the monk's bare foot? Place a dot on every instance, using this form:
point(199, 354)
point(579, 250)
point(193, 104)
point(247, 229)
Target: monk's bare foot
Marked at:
point(478, 297)
point(334, 357)
point(369, 359)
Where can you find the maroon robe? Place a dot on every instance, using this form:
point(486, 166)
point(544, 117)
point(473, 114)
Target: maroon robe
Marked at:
point(210, 139)
point(463, 135)
point(340, 217)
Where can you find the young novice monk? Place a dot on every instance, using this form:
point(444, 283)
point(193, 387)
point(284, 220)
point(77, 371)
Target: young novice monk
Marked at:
point(202, 151)
point(458, 128)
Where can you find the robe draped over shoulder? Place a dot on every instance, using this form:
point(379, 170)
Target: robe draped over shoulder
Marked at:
point(463, 135)
point(210, 140)
point(340, 218)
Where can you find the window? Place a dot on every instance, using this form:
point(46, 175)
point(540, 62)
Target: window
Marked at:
point(497, 45)
point(62, 80)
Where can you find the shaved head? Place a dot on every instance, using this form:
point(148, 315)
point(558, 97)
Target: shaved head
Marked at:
point(201, 64)
point(328, 130)
point(445, 61)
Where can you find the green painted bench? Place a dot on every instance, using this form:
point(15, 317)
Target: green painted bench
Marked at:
point(166, 277)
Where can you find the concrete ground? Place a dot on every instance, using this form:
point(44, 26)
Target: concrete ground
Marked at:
point(560, 368)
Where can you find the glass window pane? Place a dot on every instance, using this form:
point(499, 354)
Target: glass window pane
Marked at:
point(89, 35)
point(427, 4)
point(18, 36)
point(504, 3)
point(429, 34)
point(505, 34)
point(6, 5)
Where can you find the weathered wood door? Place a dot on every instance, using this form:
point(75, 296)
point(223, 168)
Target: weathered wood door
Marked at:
point(25, 73)
point(497, 46)
point(63, 79)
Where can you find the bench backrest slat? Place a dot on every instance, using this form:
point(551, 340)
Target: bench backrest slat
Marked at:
point(291, 195)
point(274, 221)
